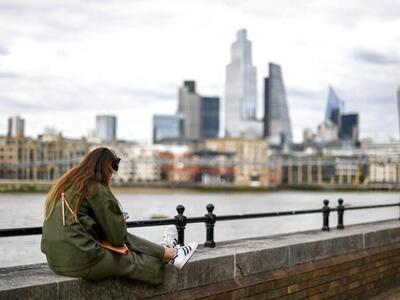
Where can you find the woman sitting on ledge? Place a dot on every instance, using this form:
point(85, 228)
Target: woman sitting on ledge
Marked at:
point(85, 233)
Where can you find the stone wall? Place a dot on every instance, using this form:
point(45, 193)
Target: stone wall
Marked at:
point(358, 275)
point(357, 262)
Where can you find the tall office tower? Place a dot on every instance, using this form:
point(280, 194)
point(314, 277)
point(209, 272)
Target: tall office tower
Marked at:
point(335, 107)
point(277, 126)
point(209, 117)
point(106, 128)
point(16, 127)
point(241, 91)
point(189, 106)
point(349, 128)
point(398, 105)
point(167, 128)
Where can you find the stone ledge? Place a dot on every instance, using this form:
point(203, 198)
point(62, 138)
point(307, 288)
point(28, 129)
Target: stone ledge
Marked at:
point(230, 260)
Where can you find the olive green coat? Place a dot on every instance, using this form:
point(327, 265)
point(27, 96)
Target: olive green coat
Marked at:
point(73, 250)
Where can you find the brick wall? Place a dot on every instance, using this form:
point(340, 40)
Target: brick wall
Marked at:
point(357, 275)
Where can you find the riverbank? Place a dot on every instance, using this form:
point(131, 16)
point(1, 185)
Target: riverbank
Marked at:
point(44, 186)
point(244, 189)
point(24, 187)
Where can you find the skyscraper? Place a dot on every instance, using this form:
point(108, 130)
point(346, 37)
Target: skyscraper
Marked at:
point(201, 114)
point(277, 125)
point(398, 105)
point(167, 128)
point(241, 91)
point(189, 105)
point(16, 127)
point(106, 128)
point(349, 127)
point(334, 108)
point(209, 117)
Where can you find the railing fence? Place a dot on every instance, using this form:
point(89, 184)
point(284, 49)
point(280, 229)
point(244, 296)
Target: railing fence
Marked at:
point(210, 219)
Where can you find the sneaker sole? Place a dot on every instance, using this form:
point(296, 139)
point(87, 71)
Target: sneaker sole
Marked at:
point(187, 257)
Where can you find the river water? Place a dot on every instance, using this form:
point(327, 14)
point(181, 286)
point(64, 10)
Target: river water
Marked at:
point(21, 210)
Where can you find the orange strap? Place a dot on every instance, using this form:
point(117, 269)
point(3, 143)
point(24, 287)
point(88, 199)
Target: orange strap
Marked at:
point(123, 250)
point(63, 203)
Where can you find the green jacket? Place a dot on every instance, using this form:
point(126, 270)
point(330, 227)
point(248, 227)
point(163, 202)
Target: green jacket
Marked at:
point(75, 246)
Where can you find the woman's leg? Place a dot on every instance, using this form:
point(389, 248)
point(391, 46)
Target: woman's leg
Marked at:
point(141, 245)
point(134, 265)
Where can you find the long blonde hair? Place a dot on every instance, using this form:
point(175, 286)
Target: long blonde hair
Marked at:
point(97, 166)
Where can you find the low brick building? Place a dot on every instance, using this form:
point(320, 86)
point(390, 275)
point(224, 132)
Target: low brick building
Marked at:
point(45, 158)
point(251, 158)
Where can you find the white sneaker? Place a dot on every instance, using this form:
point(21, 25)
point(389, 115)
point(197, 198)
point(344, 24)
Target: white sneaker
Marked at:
point(170, 237)
point(184, 253)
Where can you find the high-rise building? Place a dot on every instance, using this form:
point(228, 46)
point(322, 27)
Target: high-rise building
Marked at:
point(209, 117)
point(201, 114)
point(167, 128)
point(335, 108)
point(398, 105)
point(277, 125)
point(16, 127)
point(349, 127)
point(106, 128)
point(241, 91)
point(189, 106)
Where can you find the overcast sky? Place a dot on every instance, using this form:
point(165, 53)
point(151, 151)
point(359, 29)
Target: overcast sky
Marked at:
point(63, 62)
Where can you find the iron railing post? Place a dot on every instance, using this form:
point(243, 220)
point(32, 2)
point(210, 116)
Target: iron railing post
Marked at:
point(210, 223)
point(325, 214)
point(181, 223)
point(340, 213)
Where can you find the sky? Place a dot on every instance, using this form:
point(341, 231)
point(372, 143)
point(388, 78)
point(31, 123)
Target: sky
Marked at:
point(63, 62)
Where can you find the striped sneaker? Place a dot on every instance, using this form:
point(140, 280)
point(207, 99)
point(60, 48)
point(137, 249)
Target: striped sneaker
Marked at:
point(170, 237)
point(184, 253)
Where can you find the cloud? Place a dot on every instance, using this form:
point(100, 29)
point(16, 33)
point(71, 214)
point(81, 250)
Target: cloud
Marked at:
point(4, 50)
point(339, 12)
point(375, 57)
point(8, 75)
point(13, 105)
point(76, 19)
point(302, 93)
point(47, 94)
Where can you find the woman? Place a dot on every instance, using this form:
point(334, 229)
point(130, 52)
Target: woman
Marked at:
point(81, 211)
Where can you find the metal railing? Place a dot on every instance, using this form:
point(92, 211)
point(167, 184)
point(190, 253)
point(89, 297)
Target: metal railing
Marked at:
point(180, 220)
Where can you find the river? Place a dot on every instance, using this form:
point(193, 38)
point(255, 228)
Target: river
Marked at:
point(21, 210)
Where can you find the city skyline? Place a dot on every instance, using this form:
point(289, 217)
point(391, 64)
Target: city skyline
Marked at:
point(62, 63)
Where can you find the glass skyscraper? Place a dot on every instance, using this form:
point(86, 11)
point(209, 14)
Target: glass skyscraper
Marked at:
point(209, 117)
point(398, 105)
point(335, 107)
point(201, 114)
point(16, 127)
point(277, 125)
point(167, 128)
point(189, 106)
point(106, 128)
point(349, 127)
point(241, 91)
